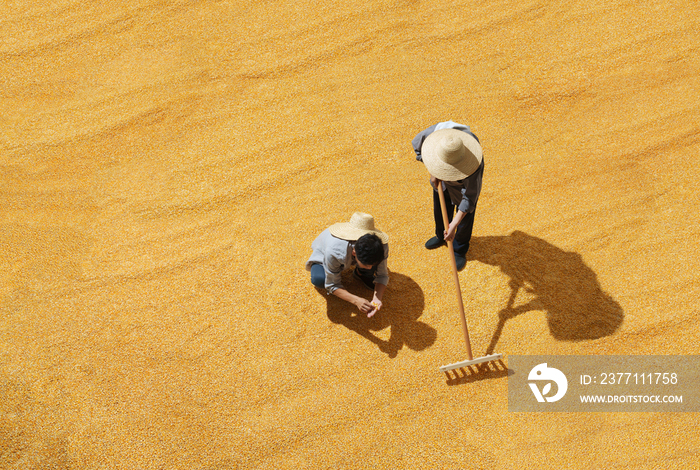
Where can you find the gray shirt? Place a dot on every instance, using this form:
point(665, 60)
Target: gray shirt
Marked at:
point(335, 254)
point(463, 193)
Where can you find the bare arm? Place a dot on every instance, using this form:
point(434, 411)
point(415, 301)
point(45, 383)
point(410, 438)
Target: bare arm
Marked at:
point(377, 299)
point(452, 229)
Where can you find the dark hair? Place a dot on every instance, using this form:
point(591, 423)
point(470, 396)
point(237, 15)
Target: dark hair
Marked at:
point(369, 249)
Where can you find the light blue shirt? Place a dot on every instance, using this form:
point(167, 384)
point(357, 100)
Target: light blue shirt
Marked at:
point(335, 254)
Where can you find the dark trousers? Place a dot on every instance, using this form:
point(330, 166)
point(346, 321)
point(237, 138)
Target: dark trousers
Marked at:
point(464, 230)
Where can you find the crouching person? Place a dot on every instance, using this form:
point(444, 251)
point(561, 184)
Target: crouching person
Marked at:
point(354, 244)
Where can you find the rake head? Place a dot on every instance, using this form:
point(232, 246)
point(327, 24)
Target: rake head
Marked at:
point(478, 360)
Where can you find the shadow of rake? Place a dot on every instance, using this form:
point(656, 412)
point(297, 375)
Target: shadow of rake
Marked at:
point(477, 372)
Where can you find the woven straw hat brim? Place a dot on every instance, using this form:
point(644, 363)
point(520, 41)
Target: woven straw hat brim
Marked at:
point(360, 224)
point(347, 232)
point(433, 153)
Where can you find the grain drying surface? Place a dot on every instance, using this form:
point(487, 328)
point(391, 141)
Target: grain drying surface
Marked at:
point(166, 166)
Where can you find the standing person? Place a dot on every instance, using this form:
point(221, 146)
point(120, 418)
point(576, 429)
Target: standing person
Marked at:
point(453, 155)
point(351, 244)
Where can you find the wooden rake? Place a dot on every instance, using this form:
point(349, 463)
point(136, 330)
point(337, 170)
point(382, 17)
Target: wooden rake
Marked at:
point(471, 360)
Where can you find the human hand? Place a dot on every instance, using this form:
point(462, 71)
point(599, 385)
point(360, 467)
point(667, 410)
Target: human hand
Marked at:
point(364, 305)
point(376, 306)
point(450, 232)
point(434, 182)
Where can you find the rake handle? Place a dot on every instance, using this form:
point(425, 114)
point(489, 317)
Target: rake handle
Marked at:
point(446, 222)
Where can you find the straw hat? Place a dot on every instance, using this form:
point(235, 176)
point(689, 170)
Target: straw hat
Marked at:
point(360, 224)
point(451, 155)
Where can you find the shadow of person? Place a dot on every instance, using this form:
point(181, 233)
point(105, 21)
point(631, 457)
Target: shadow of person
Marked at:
point(403, 304)
point(576, 306)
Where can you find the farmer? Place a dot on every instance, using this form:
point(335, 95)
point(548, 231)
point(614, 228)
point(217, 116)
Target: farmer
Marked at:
point(351, 244)
point(452, 154)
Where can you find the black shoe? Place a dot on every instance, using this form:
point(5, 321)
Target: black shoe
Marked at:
point(434, 242)
point(461, 261)
point(367, 282)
